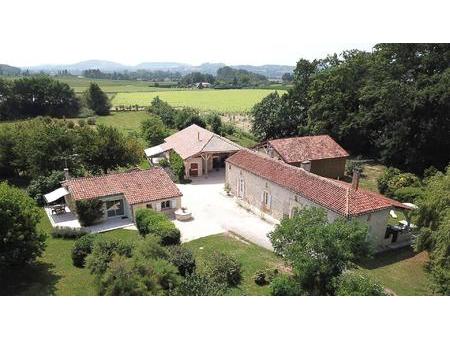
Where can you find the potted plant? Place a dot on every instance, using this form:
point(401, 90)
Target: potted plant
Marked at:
point(227, 189)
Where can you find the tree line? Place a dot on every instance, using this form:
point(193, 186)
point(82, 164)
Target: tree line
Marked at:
point(391, 104)
point(42, 95)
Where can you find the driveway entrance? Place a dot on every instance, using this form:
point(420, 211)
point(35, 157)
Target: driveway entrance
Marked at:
point(214, 212)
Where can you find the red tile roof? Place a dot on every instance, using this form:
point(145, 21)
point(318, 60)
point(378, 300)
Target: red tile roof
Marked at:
point(193, 140)
point(137, 186)
point(334, 195)
point(299, 149)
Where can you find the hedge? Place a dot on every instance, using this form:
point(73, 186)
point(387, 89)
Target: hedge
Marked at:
point(156, 223)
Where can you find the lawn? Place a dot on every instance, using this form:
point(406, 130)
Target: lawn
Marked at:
point(401, 271)
point(125, 121)
point(53, 273)
point(223, 101)
point(370, 174)
point(251, 256)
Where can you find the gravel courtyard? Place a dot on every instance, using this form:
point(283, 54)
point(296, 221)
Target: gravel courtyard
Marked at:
point(214, 212)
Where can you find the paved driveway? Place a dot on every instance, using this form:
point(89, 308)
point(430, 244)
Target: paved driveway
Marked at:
point(215, 213)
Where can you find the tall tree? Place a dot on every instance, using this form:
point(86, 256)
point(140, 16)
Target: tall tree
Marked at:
point(153, 130)
point(319, 250)
point(97, 100)
point(20, 241)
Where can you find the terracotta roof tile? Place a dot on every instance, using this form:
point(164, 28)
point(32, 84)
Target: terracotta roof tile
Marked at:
point(137, 186)
point(335, 195)
point(299, 149)
point(194, 139)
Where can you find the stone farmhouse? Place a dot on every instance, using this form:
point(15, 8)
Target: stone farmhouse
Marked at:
point(124, 193)
point(320, 154)
point(271, 187)
point(201, 150)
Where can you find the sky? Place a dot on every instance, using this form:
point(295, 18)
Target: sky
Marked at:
point(197, 31)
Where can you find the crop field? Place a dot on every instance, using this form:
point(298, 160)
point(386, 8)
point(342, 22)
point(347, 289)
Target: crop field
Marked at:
point(223, 101)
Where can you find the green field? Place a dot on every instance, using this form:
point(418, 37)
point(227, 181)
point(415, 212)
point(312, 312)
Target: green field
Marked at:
point(224, 101)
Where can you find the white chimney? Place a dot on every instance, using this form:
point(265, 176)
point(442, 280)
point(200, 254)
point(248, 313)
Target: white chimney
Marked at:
point(306, 165)
point(355, 179)
point(66, 174)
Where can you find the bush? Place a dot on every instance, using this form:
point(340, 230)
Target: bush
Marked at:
point(228, 129)
point(408, 194)
point(91, 121)
point(164, 163)
point(352, 283)
point(200, 285)
point(85, 112)
point(20, 241)
point(150, 248)
point(82, 123)
point(223, 269)
point(103, 251)
point(284, 285)
point(81, 249)
point(264, 277)
point(352, 165)
point(153, 222)
point(183, 259)
point(44, 184)
point(177, 165)
point(393, 179)
point(89, 211)
point(153, 130)
point(187, 117)
point(67, 233)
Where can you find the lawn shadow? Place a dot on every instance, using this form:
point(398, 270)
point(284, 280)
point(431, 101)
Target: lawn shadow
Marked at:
point(388, 258)
point(33, 280)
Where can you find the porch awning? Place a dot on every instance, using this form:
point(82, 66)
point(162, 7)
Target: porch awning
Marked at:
point(156, 150)
point(55, 195)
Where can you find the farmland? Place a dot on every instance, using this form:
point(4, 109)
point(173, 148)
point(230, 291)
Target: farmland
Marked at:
point(223, 101)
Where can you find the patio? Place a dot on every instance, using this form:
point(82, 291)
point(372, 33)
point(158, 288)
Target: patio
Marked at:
point(69, 220)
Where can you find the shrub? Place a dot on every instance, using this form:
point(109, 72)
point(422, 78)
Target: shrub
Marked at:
point(200, 285)
point(393, 179)
point(164, 162)
point(153, 130)
point(103, 252)
point(85, 112)
point(223, 269)
point(81, 123)
point(150, 248)
point(67, 233)
point(166, 274)
point(228, 129)
point(20, 241)
point(152, 222)
point(42, 185)
point(70, 124)
point(81, 249)
point(284, 285)
point(89, 211)
point(408, 194)
point(91, 121)
point(183, 259)
point(352, 283)
point(176, 165)
point(264, 277)
point(352, 165)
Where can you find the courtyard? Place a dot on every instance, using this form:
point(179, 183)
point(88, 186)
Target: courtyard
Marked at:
point(214, 212)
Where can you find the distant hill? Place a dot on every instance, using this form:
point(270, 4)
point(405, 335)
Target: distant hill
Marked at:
point(9, 70)
point(269, 71)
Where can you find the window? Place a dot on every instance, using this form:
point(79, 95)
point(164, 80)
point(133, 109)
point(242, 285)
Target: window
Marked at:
point(266, 199)
point(149, 206)
point(165, 205)
point(114, 208)
point(241, 187)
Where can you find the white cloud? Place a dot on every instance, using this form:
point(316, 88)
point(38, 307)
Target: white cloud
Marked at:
point(196, 31)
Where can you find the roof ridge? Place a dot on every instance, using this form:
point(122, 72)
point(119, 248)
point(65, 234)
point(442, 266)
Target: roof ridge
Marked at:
point(112, 174)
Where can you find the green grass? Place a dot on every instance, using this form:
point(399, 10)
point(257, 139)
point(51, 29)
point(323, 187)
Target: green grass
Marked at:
point(53, 273)
point(369, 176)
point(401, 271)
point(125, 121)
point(224, 101)
point(252, 258)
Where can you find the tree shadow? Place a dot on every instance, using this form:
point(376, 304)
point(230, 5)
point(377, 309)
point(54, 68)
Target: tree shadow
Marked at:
point(33, 280)
point(388, 258)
